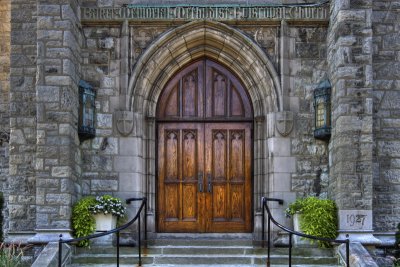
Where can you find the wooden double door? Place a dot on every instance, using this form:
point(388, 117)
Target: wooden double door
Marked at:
point(204, 152)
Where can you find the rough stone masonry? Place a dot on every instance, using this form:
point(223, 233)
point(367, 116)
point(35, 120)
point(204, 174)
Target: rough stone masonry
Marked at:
point(279, 50)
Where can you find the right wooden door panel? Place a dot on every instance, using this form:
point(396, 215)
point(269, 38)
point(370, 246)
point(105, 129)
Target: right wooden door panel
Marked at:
point(228, 175)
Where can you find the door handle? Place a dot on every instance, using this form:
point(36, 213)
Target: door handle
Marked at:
point(209, 182)
point(200, 181)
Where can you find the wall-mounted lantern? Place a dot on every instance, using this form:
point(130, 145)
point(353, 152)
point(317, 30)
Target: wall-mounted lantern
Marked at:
point(322, 107)
point(87, 110)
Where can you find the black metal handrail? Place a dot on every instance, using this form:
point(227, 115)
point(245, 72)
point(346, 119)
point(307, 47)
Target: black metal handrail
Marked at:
point(116, 230)
point(292, 232)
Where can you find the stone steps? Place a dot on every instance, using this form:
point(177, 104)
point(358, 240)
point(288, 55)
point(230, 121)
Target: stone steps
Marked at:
point(202, 253)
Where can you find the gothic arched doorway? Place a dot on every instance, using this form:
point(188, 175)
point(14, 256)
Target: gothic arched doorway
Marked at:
point(204, 162)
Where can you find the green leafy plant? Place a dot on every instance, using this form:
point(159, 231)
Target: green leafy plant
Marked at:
point(318, 217)
point(11, 255)
point(108, 204)
point(83, 223)
point(294, 207)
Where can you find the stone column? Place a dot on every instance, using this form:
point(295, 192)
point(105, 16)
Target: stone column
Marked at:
point(20, 185)
point(285, 42)
point(351, 146)
point(259, 173)
point(57, 155)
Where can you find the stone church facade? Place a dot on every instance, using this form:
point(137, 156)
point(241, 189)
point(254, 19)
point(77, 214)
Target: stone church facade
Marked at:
point(131, 53)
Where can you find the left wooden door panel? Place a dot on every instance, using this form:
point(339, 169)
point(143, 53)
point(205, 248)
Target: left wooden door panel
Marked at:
point(180, 173)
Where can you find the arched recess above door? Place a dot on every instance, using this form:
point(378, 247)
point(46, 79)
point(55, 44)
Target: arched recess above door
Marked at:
point(198, 39)
point(204, 90)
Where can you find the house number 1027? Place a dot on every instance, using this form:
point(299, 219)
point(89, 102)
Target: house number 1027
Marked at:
point(356, 219)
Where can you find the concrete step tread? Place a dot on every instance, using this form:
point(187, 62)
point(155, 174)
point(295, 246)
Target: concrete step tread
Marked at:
point(199, 265)
point(205, 251)
point(204, 257)
point(202, 254)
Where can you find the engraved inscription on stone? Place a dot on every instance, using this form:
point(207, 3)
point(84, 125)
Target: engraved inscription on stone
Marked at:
point(219, 13)
point(355, 219)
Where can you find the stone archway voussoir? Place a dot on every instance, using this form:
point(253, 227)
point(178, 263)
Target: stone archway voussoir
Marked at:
point(205, 39)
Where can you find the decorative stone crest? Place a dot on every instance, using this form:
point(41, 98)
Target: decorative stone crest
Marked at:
point(124, 121)
point(284, 122)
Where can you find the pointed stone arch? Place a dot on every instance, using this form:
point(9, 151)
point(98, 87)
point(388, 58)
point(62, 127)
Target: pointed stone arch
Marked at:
point(199, 39)
point(169, 54)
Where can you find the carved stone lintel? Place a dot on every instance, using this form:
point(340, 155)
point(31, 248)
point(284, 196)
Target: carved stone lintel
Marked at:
point(124, 121)
point(284, 122)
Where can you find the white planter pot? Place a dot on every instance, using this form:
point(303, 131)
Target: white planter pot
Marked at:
point(105, 222)
point(298, 240)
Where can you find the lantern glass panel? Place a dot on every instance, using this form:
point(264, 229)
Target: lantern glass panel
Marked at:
point(320, 114)
point(322, 106)
point(86, 111)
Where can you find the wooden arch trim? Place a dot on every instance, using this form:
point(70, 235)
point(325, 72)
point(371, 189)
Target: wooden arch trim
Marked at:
point(204, 90)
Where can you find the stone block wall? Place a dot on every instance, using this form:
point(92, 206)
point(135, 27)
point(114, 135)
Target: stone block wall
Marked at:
point(308, 67)
point(50, 52)
point(21, 182)
point(58, 157)
point(350, 58)
point(101, 68)
point(112, 163)
point(386, 67)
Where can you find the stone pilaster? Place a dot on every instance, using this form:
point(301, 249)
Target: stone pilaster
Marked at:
point(281, 162)
point(5, 28)
point(57, 158)
point(351, 147)
point(20, 185)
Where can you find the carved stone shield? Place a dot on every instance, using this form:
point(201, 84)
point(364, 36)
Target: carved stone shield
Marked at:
point(124, 121)
point(284, 122)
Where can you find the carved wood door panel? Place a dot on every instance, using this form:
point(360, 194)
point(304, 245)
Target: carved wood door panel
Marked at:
point(228, 177)
point(180, 172)
point(204, 152)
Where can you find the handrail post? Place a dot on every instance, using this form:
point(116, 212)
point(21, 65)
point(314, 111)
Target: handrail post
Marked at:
point(269, 242)
point(145, 221)
point(290, 249)
point(263, 223)
point(347, 251)
point(60, 251)
point(118, 249)
point(139, 243)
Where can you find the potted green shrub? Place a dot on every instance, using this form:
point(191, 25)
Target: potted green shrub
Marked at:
point(317, 217)
point(106, 211)
point(84, 211)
